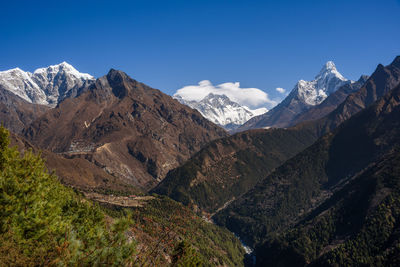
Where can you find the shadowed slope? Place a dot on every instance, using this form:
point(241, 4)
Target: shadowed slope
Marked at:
point(304, 182)
point(229, 167)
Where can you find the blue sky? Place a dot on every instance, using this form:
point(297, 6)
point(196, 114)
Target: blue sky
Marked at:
point(171, 44)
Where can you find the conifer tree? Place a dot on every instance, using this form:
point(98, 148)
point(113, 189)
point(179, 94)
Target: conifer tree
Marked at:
point(45, 223)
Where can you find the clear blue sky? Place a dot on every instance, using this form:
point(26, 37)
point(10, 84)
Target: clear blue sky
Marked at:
point(170, 44)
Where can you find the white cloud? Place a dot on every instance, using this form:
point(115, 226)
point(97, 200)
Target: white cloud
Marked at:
point(280, 90)
point(251, 97)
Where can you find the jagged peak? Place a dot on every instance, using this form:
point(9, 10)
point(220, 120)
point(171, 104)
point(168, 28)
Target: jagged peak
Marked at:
point(329, 69)
point(114, 71)
point(56, 67)
point(117, 75)
point(329, 65)
point(66, 67)
point(119, 82)
point(327, 81)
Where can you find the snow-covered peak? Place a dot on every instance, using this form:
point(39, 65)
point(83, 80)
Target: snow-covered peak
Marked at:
point(221, 110)
point(63, 67)
point(329, 71)
point(326, 82)
point(218, 100)
point(46, 86)
point(15, 70)
point(328, 66)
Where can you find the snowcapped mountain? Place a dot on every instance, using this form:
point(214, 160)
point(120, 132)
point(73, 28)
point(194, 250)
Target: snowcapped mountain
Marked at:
point(222, 111)
point(45, 86)
point(304, 95)
point(326, 82)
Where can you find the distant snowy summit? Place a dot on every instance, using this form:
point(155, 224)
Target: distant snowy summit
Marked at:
point(45, 86)
point(305, 95)
point(326, 82)
point(221, 110)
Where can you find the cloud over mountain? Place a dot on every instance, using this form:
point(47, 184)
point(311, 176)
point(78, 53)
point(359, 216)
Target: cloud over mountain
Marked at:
point(280, 90)
point(251, 97)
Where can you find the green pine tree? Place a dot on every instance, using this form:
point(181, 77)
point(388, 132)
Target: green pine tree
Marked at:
point(43, 222)
point(185, 256)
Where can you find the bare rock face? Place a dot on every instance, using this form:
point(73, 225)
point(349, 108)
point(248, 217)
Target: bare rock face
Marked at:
point(132, 131)
point(45, 86)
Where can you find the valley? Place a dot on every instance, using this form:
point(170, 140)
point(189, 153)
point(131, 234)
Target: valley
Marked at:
point(172, 186)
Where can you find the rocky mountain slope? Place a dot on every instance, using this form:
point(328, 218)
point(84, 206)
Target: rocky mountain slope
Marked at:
point(132, 131)
point(44, 223)
point(305, 94)
point(45, 86)
point(227, 168)
point(222, 111)
point(78, 173)
point(16, 113)
point(357, 226)
point(350, 165)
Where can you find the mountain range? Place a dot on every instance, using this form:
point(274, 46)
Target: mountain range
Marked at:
point(313, 181)
point(330, 203)
point(51, 85)
point(132, 131)
point(216, 180)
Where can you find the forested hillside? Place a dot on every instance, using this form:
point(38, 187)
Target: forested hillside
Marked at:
point(342, 192)
point(42, 222)
point(228, 167)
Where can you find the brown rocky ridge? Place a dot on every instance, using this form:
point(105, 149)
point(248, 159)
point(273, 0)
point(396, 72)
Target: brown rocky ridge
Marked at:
point(131, 131)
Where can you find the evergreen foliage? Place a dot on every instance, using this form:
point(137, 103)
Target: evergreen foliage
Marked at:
point(185, 256)
point(167, 229)
point(357, 227)
point(337, 203)
point(44, 223)
point(228, 167)
point(303, 183)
